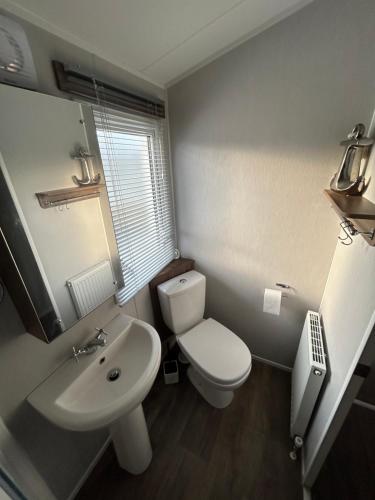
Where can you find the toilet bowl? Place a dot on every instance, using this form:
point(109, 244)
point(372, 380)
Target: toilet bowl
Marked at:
point(220, 361)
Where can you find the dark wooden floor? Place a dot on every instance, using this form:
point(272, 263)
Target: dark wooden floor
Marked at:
point(200, 452)
point(349, 470)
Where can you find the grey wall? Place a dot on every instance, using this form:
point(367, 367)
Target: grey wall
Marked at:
point(60, 457)
point(254, 139)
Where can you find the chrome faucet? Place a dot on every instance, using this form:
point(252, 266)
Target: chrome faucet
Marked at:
point(100, 340)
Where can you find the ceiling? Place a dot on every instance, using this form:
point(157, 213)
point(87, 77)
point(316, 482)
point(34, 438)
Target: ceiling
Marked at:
point(159, 40)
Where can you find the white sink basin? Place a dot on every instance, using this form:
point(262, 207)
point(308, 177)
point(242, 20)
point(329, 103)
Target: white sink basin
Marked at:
point(81, 397)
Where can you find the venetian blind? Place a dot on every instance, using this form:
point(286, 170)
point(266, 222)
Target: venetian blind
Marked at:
point(135, 160)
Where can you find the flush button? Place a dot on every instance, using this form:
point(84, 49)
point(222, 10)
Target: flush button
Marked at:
point(183, 280)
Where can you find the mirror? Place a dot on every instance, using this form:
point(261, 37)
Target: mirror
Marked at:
point(60, 243)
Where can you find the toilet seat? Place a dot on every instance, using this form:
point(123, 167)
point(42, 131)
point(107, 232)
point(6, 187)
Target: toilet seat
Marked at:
point(217, 353)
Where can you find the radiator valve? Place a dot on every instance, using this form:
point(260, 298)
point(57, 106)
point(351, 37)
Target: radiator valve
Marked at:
point(297, 444)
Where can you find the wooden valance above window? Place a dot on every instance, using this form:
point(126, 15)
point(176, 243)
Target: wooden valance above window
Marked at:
point(73, 82)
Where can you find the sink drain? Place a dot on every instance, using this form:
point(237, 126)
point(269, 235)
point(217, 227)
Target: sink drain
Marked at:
point(113, 374)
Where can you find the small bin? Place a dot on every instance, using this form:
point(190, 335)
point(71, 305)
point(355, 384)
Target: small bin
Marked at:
point(170, 369)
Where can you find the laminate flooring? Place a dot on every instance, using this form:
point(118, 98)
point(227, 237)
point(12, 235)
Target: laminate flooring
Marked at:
point(199, 452)
point(349, 470)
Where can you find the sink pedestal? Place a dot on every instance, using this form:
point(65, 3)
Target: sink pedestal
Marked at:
point(131, 441)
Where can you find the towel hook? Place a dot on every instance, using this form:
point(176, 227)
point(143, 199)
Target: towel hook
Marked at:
point(343, 240)
point(348, 230)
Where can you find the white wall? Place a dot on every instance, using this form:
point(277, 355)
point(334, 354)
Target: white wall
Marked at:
point(255, 139)
point(348, 313)
point(60, 457)
point(3, 495)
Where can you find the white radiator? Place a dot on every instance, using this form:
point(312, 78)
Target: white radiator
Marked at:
point(308, 374)
point(92, 287)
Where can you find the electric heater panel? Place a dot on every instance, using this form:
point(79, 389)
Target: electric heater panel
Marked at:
point(308, 374)
point(92, 287)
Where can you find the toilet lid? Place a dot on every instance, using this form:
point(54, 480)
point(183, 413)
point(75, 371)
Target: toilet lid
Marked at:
point(216, 351)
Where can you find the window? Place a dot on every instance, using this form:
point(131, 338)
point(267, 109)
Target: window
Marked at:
point(137, 174)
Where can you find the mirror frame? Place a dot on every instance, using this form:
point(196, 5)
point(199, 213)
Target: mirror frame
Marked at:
point(21, 274)
point(19, 266)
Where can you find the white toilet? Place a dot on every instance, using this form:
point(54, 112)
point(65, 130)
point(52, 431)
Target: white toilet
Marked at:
point(219, 360)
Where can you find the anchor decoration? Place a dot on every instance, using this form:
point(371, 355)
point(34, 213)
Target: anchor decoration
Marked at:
point(350, 177)
point(88, 176)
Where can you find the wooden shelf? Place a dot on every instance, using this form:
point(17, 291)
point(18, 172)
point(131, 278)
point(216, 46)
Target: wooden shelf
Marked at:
point(49, 199)
point(351, 207)
point(356, 208)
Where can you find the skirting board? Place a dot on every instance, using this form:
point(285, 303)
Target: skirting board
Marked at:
point(364, 404)
point(272, 363)
point(95, 460)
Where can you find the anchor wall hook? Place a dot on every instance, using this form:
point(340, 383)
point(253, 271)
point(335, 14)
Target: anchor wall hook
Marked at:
point(88, 178)
point(350, 231)
point(344, 241)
